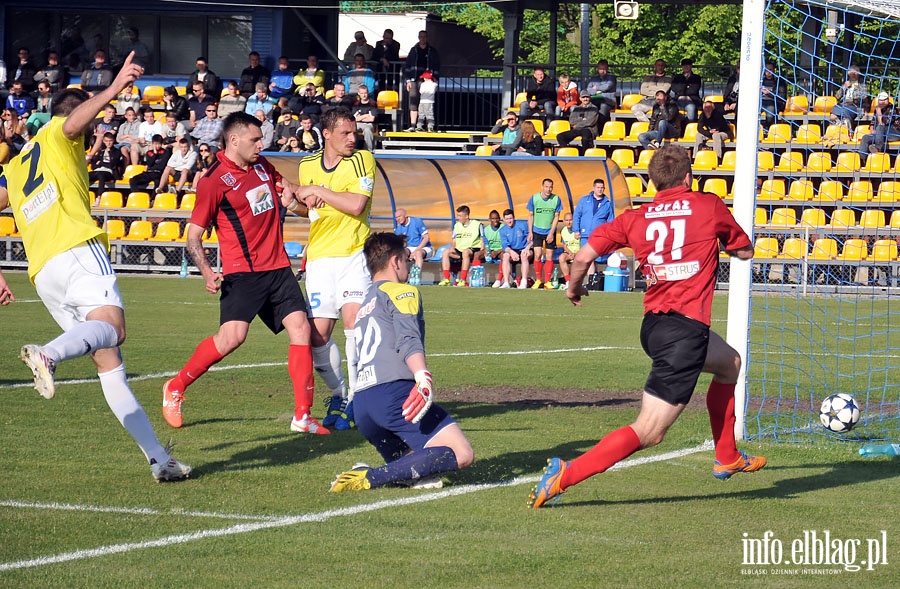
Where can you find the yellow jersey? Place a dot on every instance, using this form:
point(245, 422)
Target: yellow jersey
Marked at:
point(568, 238)
point(467, 236)
point(333, 233)
point(48, 192)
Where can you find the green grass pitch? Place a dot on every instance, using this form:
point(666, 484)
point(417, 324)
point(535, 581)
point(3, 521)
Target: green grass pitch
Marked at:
point(79, 508)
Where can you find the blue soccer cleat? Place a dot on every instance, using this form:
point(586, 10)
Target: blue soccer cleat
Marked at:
point(548, 490)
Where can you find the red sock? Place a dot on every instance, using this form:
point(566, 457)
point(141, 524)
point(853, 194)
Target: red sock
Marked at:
point(303, 264)
point(300, 368)
point(446, 274)
point(463, 274)
point(203, 357)
point(548, 271)
point(500, 274)
point(615, 446)
point(476, 263)
point(538, 268)
point(566, 276)
point(720, 404)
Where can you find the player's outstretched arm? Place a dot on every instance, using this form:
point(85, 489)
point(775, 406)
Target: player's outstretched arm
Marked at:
point(745, 253)
point(81, 118)
point(575, 289)
point(195, 251)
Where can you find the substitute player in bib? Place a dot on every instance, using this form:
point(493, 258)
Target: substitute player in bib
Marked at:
point(571, 244)
point(676, 239)
point(394, 392)
point(336, 186)
point(544, 208)
point(68, 261)
point(467, 250)
point(239, 195)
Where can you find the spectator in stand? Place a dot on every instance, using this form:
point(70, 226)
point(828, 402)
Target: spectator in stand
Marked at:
point(207, 77)
point(19, 99)
point(181, 165)
point(128, 134)
point(199, 104)
point(653, 83)
point(292, 145)
point(97, 77)
point(427, 96)
point(313, 74)
point(40, 116)
point(339, 99)
point(387, 57)
point(665, 122)
point(310, 136)
point(541, 96)
point(107, 124)
point(712, 126)
point(73, 49)
point(583, 120)
point(141, 51)
point(286, 127)
point(365, 113)
point(253, 75)
point(231, 101)
point(359, 45)
point(686, 89)
point(566, 96)
point(107, 164)
point(176, 105)
point(418, 242)
point(603, 90)
point(774, 95)
point(571, 243)
point(422, 57)
point(209, 129)
point(887, 126)
point(532, 142)
point(514, 236)
point(591, 211)
point(282, 81)
point(360, 75)
point(173, 130)
point(148, 128)
point(309, 102)
point(260, 101)
point(15, 134)
point(25, 71)
point(155, 158)
point(53, 73)
point(127, 99)
point(850, 97)
point(732, 86)
point(266, 128)
point(205, 160)
point(6, 149)
point(3, 75)
point(512, 134)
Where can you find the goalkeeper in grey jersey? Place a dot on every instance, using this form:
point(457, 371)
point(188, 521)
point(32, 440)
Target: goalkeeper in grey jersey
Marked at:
point(393, 393)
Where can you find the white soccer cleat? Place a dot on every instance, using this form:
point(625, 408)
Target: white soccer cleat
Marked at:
point(41, 367)
point(497, 284)
point(308, 425)
point(523, 284)
point(432, 482)
point(504, 285)
point(170, 470)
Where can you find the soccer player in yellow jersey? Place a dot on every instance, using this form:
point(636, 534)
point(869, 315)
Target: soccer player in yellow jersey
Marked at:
point(46, 186)
point(336, 186)
point(571, 243)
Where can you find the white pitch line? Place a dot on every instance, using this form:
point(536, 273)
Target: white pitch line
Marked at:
point(316, 517)
point(133, 510)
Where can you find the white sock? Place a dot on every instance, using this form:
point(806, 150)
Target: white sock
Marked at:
point(82, 339)
point(352, 355)
point(130, 413)
point(327, 362)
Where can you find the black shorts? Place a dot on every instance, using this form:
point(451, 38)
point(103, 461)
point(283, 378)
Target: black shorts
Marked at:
point(270, 295)
point(544, 241)
point(677, 345)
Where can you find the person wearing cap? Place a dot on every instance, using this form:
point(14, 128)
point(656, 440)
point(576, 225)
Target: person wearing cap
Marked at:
point(712, 126)
point(285, 128)
point(887, 126)
point(686, 89)
point(427, 94)
point(422, 57)
point(359, 45)
point(583, 120)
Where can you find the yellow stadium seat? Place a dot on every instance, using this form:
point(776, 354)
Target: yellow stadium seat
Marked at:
point(211, 237)
point(690, 133)
point(717, 186)
point(556, 127)
point(819, 161)
point(888, 192)
point(138, 200)
point(860, 191)
point(729, 160)
point(795, 248)
point(877, 163)
point(894, 222)
point(861, 130)
point(784, 216)
point(167, 231)
point(7, 226)
point(181, 90)
point(613, 131)
point(329, 94)
point(809, 133)
point(567, 152)
point(651, 189)
point(636, 129)
point(630, 100)
point(115, 229)
point(140, 231)
point(388, 99)
point(835, 133)
point(830, 191)
point(706, 160)
point(158, 114)
point(847, 161)
point(766, 247)
point(644, 158)
point(624, 158)
point(854, 250)
point(152, 95)
point(165, 200)
point(765, 161)
point(824, 248)
point(484, 150)
point(111, 199)
point(519, 99)
point(635, 185)
point(872, 218)
point(843, 218)
point(790, 161)
point(772, 190)
point(812, 218)
point(760, 216)
point(595, 152)
point(801, 190)
point(188, 201)
point(538, 126)
point(133, 170)
point(778, 133)
point(824, 104)
point(715, 98)
point(884, 250)
point(796, 105)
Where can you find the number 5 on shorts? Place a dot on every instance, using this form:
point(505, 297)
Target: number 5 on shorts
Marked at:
point(315, 300)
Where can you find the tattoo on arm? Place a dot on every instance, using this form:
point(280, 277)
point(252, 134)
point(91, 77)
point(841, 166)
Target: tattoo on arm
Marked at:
point(195, 251)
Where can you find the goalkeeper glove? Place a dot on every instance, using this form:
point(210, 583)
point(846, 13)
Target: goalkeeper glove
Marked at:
point(419, 401)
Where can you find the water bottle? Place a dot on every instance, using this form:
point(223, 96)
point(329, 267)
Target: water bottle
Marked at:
point(554, 281)
point(415, 275)
point(184, 266)
point(481, 276)
point(473, 277)
point(880, 450)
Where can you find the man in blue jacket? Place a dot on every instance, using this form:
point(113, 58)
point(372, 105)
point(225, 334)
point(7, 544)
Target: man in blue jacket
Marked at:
point(593, 209)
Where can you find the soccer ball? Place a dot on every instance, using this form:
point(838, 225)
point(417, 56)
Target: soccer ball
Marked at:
point(839, 413)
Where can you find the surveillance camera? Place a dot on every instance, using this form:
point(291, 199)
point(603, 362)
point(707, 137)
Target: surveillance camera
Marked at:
point(626, 10)
point(831, 34)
